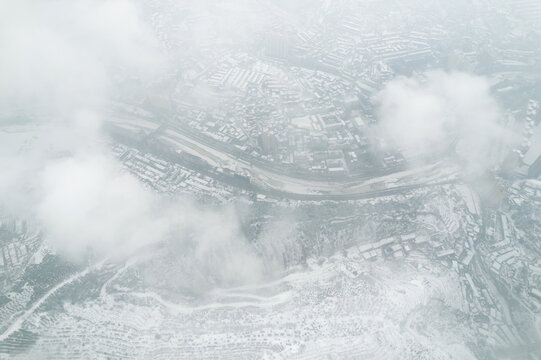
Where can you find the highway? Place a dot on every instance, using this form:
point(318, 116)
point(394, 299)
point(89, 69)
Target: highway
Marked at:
point(212, 157)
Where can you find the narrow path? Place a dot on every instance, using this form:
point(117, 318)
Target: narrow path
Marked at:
point(16, 325)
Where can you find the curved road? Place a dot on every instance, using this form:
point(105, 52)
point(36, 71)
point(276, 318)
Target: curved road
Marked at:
point(264, 179)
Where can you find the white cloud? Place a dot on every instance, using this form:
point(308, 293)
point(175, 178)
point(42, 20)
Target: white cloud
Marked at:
point(88, 203)
point(57, 63)
point(427, 113)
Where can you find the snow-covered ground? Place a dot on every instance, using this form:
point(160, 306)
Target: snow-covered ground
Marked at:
point(342, 306)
